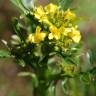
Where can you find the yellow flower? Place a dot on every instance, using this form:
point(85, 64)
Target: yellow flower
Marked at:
point(67, 31)
point(62, 29)
point(69, 69)
point(41, 15)
point(39, 12)
point(51, 8)
point(30, 38)
point(75, 35)
point(37, 37)
point(54, 33)
point(69, 15)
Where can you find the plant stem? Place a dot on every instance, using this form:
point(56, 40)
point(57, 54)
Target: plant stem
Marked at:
point(43, 90)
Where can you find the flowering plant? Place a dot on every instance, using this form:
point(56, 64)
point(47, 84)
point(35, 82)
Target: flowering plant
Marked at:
point(48, 40)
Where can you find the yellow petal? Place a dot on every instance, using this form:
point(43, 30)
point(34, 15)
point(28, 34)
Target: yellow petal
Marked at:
point(38, 29)
point(30, 38)
point(53, 29)
point(66, 31)
point(76, 38)
point(43, 35)
point(54, 32)
point(51, 8)
point(39, 36)
point(61, 29)
point(69, 15)
point(40, 10)
point(57, 36)
point(39, 13)
point(50, 36)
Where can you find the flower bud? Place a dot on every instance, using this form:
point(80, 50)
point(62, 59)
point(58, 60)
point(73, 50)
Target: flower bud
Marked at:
point(15, 40)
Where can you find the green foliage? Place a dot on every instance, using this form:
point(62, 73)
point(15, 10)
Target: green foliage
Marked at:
point(53, 59)
point(65, 4)
point(5, 54)
point(92, 54)
point(86, 77)
point(24, 5)
point(21, 63)
point(12, 93)
point(20, 5)
point(32, 75)
point(17, 28)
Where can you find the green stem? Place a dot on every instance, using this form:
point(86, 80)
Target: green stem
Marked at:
point(43, 90)
point(40, 92)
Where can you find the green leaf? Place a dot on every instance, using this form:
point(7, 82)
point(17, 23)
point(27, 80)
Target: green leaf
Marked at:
point(52, 90)
point(24, 74)
point(34, 77)
point(17, 28)
point(65, 4)
point(20, 5)
point(73, 60)
point(4, 54)
point(92, 54)
point(29, 3)
point(93, 71)
point(86, 77)
point(64, 86)
point(21, 62)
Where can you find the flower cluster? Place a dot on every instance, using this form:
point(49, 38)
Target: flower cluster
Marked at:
point(47, 42)
point(48, 32)
point(57, 25)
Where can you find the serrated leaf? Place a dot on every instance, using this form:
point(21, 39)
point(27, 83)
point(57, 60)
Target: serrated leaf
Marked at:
point(4, 54)
point(34, 77)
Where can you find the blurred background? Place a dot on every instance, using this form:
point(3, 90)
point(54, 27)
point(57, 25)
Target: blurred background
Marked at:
point(12, 85)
